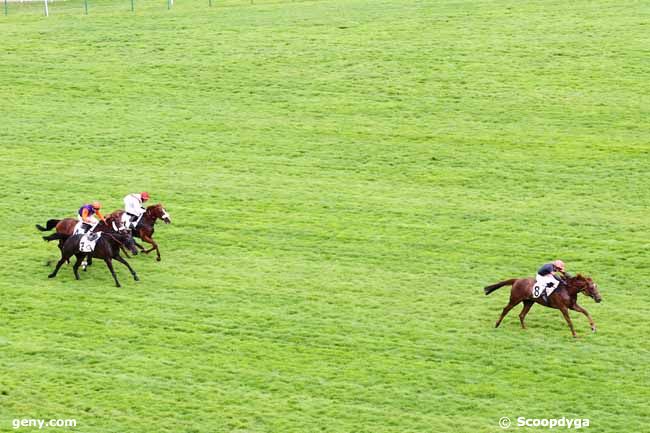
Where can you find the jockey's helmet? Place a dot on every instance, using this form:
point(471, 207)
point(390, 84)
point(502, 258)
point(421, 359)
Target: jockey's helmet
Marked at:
point(559, 264)
point(144, 195)
point(97, 205)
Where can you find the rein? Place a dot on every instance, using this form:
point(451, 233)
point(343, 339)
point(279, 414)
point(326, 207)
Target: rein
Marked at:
point(114, 238)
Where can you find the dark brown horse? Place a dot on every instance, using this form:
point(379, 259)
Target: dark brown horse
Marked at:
point(145, 228)
point(107, 247)
point(564, 298)
point(65, 228)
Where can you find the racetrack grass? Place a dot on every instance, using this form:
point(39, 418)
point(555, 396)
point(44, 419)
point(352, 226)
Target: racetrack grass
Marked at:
point(343, 179)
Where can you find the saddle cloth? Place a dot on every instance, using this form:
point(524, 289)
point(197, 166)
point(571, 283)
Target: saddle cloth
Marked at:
point(544, 283)
point(88, 241)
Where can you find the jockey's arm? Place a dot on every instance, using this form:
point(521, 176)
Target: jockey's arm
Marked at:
point(100, 216)
point(560, 275)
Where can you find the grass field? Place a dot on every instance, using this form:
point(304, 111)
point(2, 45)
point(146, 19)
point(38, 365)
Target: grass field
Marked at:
point(343, 178)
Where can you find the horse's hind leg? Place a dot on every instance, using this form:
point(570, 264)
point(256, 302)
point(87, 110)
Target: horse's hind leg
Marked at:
point(579, 309)
point(58, 266)
point(61, 242)
point(527, 306)
point(505, 311)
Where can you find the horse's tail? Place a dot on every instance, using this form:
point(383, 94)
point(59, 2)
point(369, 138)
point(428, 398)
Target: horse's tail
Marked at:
point(55, 236)
point(49, 225)
point(493, 287)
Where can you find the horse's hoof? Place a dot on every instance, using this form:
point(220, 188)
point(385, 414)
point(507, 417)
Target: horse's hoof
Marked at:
point(136, 278)
point(158, 259)
point(51, 276)
point(118, 285)
point(593, 329)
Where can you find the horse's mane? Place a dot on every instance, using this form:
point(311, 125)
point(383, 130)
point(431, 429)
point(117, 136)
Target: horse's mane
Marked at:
point(579, 279)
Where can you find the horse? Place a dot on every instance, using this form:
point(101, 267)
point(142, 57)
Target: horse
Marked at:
point(145, 228)
point(65, 228)
point(107, 247)
point(564, 298)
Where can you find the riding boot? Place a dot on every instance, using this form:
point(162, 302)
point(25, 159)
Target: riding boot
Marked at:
point(132, 220)
point(545, 297)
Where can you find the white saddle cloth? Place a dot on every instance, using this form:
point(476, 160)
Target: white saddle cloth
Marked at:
point(544, 283)
point(86, 245)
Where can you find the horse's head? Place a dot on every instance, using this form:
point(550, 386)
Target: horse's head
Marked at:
point(116, 221)
point(588, 286)
point(157, 211)
point(128, 242)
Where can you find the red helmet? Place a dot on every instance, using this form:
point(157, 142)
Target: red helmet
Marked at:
point(559, 264)
point(144, 195)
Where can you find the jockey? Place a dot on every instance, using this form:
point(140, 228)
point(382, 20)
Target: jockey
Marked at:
point(548, 278)
point(133, 206)
point(87, 220)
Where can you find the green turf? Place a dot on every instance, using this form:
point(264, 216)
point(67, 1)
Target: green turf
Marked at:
point(343, 177)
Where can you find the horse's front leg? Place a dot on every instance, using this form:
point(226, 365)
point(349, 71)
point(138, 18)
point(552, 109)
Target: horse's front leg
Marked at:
point(150, 240)
point(121, 260)
point(565, 313)
point(579, 309)
point(125, 251)
point(109, 263)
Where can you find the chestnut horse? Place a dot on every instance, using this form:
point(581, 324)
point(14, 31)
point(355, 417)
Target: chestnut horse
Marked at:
point(564, 298)
point(145, 228)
